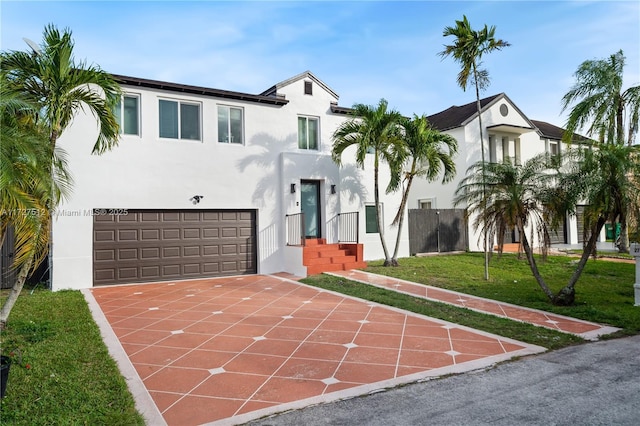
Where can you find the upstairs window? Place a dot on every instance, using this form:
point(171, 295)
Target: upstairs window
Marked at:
point(492, 149)
point(308, 133)
point(127, 113)
point(511, 150)
point(308, 88)
point(179, 120)
point(229, 125)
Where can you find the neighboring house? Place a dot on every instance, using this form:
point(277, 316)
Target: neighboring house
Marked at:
point(508, 135)
point(208, 182)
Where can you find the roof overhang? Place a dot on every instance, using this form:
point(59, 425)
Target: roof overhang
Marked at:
point(197, 90)
point(510, 128)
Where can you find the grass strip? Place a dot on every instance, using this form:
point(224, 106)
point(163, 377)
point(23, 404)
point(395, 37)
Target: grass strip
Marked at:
point(62, 373)
point(501, 326)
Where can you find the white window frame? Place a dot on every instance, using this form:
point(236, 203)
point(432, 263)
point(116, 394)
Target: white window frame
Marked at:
point(181, 102)
point(431, 201)
point(551, 143)
point(229, 108)
point(492, 149)
point(511, 150)
point(138, 113)
point(307, 118)
point(380, 212)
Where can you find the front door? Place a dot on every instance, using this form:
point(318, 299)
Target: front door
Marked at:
point(310, 202)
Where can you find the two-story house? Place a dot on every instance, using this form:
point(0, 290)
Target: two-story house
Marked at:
point(208, 182)
point(508, 135)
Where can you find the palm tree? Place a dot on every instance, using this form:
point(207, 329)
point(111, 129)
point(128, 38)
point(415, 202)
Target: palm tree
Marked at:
point(26, 187)
point(52, 79)
point(608, 179)
point(468, 49)
point(607, 112)
point(531, 195)
point(505, 196)
point(57, 87)
point(372, 130)
point(430, 153)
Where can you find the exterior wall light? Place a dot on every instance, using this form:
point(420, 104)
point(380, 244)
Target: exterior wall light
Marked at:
point(333, 189)
point(293, 188)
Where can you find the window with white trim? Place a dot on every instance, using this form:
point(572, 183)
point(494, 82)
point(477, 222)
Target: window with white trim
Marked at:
point(511, 150)
point(426, 204)
point(308, 132)
point(230, 124)
point(127, 113)
point(371, 219)
point(492, 149)
point(308, 88)
point(553, 148)
point(179, 120)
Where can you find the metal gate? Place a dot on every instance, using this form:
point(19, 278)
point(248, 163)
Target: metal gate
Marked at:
point(437, 231)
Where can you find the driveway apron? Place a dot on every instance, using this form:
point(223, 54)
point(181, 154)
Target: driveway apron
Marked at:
point(229, 350)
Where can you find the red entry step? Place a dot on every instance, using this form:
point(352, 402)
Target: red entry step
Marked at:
point(319, 257)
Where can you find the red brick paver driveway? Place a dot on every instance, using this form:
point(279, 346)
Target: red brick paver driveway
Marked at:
point(229, 350)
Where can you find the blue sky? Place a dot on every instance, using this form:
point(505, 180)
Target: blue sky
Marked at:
point(363, 50)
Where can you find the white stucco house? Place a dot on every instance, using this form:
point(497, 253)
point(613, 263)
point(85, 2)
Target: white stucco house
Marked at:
point(508, 134)
point(208, 182)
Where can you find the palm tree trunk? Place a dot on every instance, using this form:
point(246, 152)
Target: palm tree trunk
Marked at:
point(533, 265)
point(479, 107)
point(620, 123)
point(14, 293)
point(376, 195)
point(566, 296)
point(400, 219)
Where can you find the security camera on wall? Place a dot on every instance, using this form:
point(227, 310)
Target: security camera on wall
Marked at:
point(196, 199)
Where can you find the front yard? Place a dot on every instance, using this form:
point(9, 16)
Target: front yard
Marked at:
point(67, 376)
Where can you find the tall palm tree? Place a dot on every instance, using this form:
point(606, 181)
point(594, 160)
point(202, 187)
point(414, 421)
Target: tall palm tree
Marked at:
point(430, 153)
point(372, 130)
point(467, 50)
point(608, 113)
point(50, 79)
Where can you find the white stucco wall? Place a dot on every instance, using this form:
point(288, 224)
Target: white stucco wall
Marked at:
point(148, 172)
point(468, 138)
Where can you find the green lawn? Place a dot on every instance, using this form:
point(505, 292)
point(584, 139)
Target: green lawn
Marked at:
point(73, 380)
point(67, 376)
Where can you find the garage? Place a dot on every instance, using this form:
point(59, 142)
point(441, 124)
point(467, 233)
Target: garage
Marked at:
point(131, 246)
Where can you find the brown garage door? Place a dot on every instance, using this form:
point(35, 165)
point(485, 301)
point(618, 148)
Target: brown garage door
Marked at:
point(152, 245)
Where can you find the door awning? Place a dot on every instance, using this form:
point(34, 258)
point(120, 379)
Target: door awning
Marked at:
point(510, 128)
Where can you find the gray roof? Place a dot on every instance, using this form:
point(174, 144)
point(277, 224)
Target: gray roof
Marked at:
point(549, 131)
point(457, 116)
point(198, 90)
point(273, 90)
